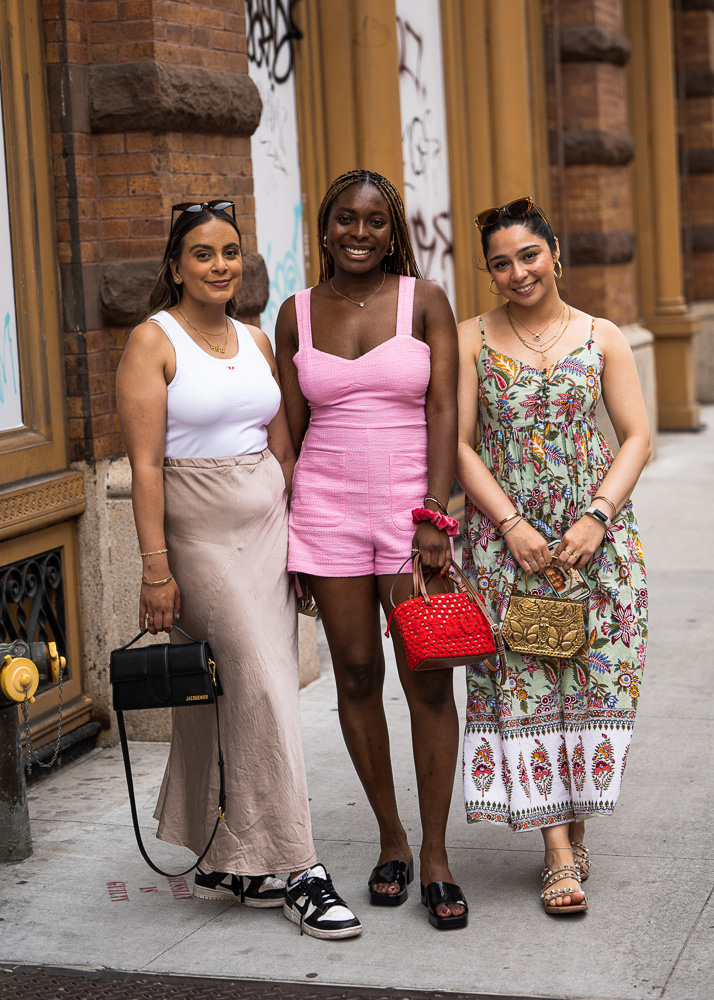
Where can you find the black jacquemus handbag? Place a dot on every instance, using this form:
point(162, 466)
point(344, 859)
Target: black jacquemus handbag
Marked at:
point(165, 675)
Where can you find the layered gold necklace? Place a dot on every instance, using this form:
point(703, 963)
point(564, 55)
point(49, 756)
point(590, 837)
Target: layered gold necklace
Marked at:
point(541, 348)
point(214, 347)
point(535, 336)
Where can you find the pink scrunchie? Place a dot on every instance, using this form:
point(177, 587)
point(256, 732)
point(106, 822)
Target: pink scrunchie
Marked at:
point(441, 521)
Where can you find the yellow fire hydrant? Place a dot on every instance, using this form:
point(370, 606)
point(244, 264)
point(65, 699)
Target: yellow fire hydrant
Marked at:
point(22, 666)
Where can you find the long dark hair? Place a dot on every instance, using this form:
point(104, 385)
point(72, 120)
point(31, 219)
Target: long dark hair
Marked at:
point(533, 220)
point(167, 292)
point(402, 260)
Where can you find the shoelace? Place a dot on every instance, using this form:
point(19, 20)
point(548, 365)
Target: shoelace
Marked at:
point(320, 892)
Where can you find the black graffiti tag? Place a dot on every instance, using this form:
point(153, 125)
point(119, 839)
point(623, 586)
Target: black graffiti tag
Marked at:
point(433, 242)
point(270, 29)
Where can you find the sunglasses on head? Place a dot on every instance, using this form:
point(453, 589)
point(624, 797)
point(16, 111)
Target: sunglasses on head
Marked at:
point(198, 206)
point(521, 206)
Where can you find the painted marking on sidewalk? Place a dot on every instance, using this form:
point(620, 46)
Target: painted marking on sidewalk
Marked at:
point(179, 888)
point(117, 892)
point(149, 888)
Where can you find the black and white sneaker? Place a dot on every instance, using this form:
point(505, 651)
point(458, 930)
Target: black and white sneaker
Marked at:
point(260, 891)
point(312, 903)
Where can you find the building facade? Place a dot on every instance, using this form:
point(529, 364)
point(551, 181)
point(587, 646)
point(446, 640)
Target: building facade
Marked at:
point(113, 110)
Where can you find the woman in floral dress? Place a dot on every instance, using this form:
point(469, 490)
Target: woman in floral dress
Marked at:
point(547, 750)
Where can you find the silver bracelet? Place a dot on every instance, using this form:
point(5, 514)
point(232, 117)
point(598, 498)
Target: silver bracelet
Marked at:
point(504, 533)
point(600, 516)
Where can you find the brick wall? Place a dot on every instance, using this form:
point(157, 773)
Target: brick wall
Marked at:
point(591, 149)
point(128, 142)
point(694, 32)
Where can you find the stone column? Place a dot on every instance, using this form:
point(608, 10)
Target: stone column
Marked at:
point(657, 199)
point(495, 101)
point(347, 91)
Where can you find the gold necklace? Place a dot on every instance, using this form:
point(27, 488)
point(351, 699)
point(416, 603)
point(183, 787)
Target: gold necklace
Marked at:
point(214, 347)
point(535, 336)
point(543, 347)
point(354, 301)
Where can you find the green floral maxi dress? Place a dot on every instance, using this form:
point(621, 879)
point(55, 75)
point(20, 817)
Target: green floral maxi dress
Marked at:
point(551, 745)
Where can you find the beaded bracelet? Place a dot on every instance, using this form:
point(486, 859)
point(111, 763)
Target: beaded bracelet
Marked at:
point(448, 524)
point(156, 552)
point(157, 583)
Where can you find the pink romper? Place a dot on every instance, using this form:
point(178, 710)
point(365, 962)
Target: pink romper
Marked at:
point(362, 467)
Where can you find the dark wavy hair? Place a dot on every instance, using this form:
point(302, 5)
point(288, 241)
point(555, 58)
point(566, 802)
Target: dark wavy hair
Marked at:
point(402, 260)
point(532, 220)
point(166, 292)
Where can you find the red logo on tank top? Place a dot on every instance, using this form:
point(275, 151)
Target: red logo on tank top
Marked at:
point(231, 368)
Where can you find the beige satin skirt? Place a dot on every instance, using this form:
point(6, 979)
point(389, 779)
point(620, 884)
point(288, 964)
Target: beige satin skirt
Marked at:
point(226, 529)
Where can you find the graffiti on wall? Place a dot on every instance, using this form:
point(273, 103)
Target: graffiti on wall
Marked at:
point(270, 31)
point(274, 149)
point(10, 392)
point(424, 140)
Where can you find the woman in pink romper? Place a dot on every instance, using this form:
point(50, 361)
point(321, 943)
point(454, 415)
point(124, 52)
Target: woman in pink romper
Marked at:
point(368, 362)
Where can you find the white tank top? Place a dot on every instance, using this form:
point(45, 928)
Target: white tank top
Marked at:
point(217, 407)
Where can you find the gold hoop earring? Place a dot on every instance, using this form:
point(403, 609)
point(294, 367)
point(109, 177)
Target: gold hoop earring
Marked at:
point(177, 279)
point(324, 242)
point(490, 287)
point(558, 269)
point(391, 248)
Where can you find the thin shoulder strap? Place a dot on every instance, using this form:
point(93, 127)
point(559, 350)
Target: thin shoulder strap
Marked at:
point(302, 312)
point(405, 306)
point(592, 328)
point(483, 335)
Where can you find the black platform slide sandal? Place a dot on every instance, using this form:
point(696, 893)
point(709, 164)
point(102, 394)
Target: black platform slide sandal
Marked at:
point(434, 895)
point(392, 871)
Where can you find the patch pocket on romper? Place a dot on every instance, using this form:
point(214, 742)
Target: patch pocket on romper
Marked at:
point(319, 489)
point(407, 486)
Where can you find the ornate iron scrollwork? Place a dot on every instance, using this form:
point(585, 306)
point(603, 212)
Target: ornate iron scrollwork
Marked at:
point(32, 600)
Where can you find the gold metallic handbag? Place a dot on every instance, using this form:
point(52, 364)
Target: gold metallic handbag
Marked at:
point(544, 626)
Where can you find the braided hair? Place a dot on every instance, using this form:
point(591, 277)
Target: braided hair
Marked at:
point(402, 260)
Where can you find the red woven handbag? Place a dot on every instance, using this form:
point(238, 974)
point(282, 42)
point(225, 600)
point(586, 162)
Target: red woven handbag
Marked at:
point(445, 630)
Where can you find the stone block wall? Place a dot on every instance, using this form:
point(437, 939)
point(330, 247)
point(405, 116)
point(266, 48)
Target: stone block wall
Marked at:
point(151, 104)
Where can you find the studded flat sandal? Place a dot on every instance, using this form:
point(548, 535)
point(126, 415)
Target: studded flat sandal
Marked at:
point(399, 872)
point(549, 878)
point(581, 856)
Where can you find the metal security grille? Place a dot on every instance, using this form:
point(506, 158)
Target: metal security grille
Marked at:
point(32, 600)
point(39, 983)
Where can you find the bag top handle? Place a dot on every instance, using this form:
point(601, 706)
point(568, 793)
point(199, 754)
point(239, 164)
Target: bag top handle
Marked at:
point(145, 630)
point(563, 596)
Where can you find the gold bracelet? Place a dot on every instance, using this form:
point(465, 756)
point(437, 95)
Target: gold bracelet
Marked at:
point(506, 520)
point(599, 496)
point(157, 583)
point(504, 533)
point(156, 552)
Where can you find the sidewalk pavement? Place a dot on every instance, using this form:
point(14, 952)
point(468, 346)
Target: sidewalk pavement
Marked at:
point(86, 898)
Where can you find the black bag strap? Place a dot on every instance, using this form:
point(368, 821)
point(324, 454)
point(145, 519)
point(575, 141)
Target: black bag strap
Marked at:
point(145, 630)
point(130, 786)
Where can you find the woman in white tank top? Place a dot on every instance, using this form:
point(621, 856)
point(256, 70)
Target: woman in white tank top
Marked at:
point(212, 461)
